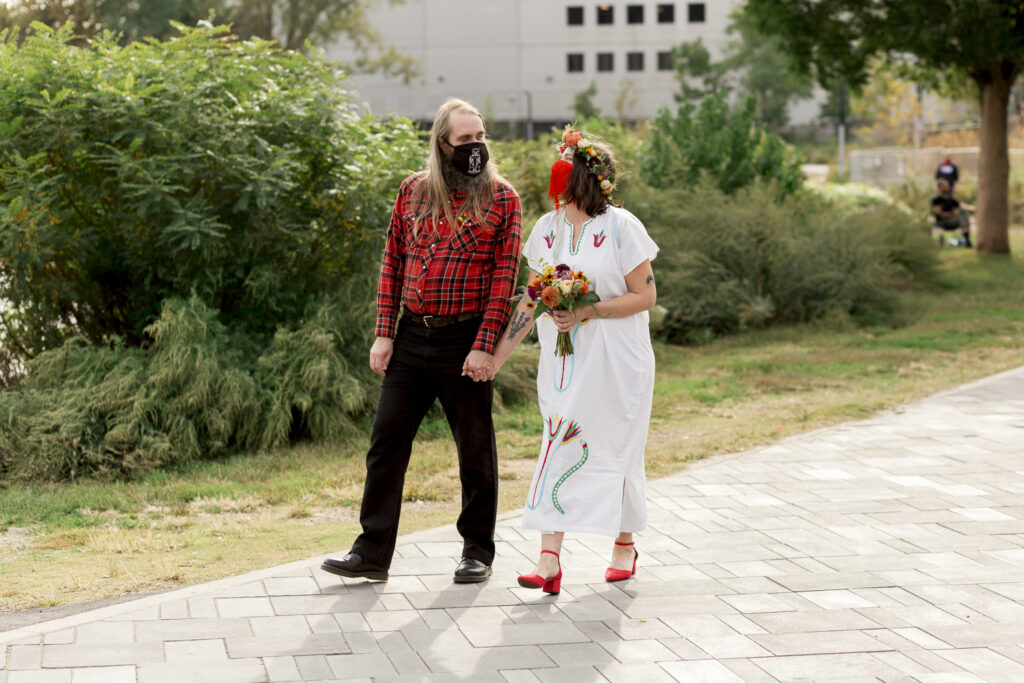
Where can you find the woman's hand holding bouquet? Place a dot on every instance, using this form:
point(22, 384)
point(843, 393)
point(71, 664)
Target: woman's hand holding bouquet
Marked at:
point(559, 288)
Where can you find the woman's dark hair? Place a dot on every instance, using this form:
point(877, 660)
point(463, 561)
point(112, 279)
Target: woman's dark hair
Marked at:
point(584, 188)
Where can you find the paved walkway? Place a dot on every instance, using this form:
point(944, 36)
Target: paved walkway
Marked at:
point(890, 549)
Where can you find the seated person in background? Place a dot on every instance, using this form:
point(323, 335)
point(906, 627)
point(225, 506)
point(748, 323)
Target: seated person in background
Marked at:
point(949, 214)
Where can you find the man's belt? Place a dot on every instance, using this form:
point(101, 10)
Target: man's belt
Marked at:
point(437, 320)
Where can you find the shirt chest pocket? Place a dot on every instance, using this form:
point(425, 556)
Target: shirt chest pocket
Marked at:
point(474, 241)
point(414, 242)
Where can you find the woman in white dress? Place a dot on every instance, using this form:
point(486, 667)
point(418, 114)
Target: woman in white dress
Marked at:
point(596, 402)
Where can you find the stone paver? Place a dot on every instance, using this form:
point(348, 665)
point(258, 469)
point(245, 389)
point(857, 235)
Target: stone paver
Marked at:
point(890, 549)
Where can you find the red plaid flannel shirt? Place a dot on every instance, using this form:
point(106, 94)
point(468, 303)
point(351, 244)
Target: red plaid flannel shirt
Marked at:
point(472, 271)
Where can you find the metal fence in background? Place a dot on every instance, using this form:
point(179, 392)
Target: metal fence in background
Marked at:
point(895, 165)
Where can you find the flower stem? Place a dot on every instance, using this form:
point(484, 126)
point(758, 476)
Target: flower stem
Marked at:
point(563, 344)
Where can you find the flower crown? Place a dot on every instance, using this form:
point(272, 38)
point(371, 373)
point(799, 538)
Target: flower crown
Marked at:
point(596, 164)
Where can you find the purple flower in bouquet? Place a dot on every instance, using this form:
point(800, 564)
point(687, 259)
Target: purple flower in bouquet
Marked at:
point(563, 272)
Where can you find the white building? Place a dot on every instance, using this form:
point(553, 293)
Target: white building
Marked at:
point(520, 60)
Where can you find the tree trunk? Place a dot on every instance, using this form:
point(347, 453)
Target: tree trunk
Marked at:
point(993, 235)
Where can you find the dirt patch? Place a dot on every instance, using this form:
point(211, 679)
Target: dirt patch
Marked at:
point(17, 537)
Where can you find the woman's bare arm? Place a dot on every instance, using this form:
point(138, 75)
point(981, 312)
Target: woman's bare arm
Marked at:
point(642, 296)
point(519, 325)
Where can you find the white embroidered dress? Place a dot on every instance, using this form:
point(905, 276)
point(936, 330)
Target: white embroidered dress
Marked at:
point(596, 403)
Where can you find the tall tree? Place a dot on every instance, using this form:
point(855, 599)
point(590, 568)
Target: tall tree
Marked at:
point(583, 106)
point(292, 23)
point(765, 71)
point(753, 64)
point(886, 108)
point(982, 39)
point(625, 100)
point(692, 62)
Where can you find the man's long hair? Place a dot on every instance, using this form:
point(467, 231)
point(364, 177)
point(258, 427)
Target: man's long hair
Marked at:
point(431, 194)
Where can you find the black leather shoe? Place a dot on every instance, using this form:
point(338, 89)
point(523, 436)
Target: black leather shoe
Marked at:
point(471, 571)
point(353, 566)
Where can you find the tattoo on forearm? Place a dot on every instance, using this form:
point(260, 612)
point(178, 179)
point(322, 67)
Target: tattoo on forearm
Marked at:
point(517, 323)
point(650, 280)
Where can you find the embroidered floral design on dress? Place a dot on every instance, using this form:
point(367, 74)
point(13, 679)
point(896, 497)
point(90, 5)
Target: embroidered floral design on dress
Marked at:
point(599, 238)
point(572, 432)
point(550, 239)
point(542, 474)
point(574, 249)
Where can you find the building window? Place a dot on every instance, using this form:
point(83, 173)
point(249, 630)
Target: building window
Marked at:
point(666, 14)
point(695, 12)
point(605, 61)
point(634, 61)
point(665, 61)
point(575, 16)
point(575, 62)
point(634, 14)
point(605, 14)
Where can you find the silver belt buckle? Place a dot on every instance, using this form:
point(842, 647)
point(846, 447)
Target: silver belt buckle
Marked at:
point(427, 319)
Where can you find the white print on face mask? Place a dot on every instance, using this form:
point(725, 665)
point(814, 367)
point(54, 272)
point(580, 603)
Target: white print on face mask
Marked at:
point(475, 165)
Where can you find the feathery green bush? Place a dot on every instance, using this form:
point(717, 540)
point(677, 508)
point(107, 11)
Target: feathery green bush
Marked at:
point(195, 391)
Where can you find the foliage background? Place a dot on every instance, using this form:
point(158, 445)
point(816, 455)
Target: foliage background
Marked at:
point(190, 239)
point(189, 247)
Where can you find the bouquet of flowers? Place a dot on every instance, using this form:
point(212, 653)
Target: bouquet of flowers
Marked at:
point(559, 288)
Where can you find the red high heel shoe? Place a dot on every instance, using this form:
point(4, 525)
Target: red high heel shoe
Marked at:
point(613, 574)
point(552, 585)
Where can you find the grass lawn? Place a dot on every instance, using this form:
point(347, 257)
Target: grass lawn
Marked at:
point(85, 540)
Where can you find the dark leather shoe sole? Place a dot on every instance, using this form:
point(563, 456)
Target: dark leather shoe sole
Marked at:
point(371, 574)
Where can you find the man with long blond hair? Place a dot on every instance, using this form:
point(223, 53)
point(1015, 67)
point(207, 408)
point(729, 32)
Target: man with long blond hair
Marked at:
point(446, 280)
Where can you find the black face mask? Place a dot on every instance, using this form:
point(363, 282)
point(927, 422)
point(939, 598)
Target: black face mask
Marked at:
point(470, 158)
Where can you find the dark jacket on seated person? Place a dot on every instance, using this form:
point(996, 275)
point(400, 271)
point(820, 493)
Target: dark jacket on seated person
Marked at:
point(947, 217)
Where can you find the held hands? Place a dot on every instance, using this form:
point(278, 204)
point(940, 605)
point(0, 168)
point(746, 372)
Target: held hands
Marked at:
point(380, 354)
point(479, 366)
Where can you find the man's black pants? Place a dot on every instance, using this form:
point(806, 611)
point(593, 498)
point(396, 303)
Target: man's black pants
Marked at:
point(426, 365)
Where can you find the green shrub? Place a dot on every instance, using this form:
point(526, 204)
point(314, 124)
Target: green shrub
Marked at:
point(856, 196)
point(527, 163)
point(226, 168)
point(190, 234)
point(733, 262)
point(914, 194)
point(87, 409)
point(725, 145)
